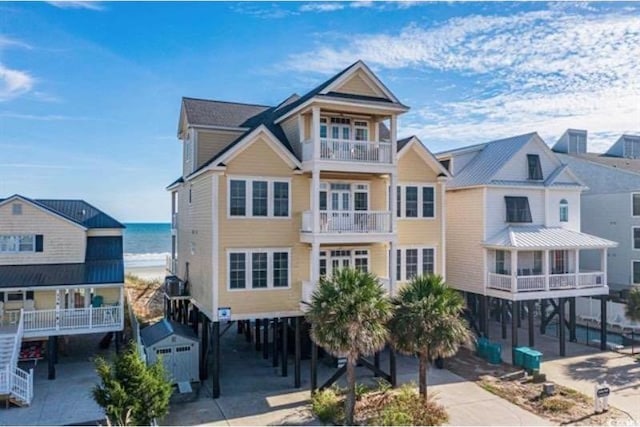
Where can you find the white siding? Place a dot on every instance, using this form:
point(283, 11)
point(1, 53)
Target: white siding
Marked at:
point(553, 209)
point(517, 169)
point(496, 208)
point(458, 162)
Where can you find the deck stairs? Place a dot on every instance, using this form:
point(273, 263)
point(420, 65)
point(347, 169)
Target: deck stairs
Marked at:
point(16, 385)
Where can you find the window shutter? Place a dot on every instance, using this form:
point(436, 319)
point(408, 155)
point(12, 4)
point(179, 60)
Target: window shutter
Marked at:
point(39, 243)
point(1, 296)
point(30, 295)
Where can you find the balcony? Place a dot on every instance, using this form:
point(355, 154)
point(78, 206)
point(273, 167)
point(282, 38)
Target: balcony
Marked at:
point(355, 225)
point(551, 282)
point(341, 150)
point(70, 321)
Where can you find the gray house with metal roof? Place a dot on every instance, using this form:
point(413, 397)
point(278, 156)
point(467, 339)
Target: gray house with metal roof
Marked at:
point(61, 273)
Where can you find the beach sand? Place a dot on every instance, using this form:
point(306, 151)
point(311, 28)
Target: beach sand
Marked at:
point(147, 273)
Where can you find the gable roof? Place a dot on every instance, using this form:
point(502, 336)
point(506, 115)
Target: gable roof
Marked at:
point(163, 329)
point(429, 157)
point(491, 158)
point(76, 211)
point(602, 178)
point(204, 112)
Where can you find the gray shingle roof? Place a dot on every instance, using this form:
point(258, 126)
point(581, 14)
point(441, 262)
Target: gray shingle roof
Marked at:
point(163, 329)
point(540, 237)
point(493, 155)
point(220, 113)
point(77, 211)
point(34, 275)
point(601, 178)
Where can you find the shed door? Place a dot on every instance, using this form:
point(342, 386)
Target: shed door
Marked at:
point(182, 366)
point(166, 353)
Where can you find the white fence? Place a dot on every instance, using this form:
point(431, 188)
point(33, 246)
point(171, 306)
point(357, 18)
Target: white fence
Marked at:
point(349, 221)
point(80, 319)
point(350, 151)
point(13, 380)
point(504, 282)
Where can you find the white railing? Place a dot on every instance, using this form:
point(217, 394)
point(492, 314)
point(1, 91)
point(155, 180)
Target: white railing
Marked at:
point(531, 283)
point(562, 281)
point(22, 384)
point(13, 380)
point(502, 282)
point(174, 220)
point(349, 221)
point(591, 279)
point(89, 318)
point(350, 151)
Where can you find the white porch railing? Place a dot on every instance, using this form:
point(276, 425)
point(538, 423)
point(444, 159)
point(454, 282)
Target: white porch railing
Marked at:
point(502, 282)
point(531, 283)
point(13, 380)
point(349, 221)
point(88, 318)
point(527, 283)
point(350, 151)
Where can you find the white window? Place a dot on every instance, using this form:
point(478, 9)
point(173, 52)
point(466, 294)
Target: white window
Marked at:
point(259, 197)
point(564, 210)
point(411, 262)
point(335, 259)
point(361, 130)
point(416, 201)
point(636, 238)
point(259, 268)
point(18, 243)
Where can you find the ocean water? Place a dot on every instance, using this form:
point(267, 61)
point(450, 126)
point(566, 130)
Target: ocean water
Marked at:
point(146, 244)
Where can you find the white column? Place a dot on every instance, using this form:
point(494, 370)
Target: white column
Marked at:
point(392, 267)
point(393, 190)
point(443, 227)
point(315, 129)
point(57, 309)
point(514, 271)
point(315, 200)
point(577, 267)
point(121, 307)
point(315, 263)
point(301, 128)
point(376, 130)
point(394, 138)
point(603, 267)
point(545, 269)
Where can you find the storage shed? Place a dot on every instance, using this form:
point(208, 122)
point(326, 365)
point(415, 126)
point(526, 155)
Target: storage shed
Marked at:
point(177, 344)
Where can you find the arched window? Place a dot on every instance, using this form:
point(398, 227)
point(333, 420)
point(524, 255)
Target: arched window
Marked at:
point(564, 210)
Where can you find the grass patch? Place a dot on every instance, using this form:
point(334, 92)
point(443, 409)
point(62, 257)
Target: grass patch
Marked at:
point(556, 404)
point(407, 408)
point(328, 406)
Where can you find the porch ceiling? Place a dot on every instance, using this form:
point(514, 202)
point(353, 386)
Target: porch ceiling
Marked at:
point(536, 237)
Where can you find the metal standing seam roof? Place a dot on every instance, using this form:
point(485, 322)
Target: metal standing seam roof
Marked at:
point(622, 163)
point(77, 211)
point(163, 329)
point(36, 275)
point(481, 169)
point(538, 236)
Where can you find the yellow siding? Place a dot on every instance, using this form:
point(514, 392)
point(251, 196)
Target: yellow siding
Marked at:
point(195, 231)
point(63, 242)
point(104, 232)
point(212, 142)
point(421, 232)
point(357, 85)
point(465, 228)
point(260, 160)
point(44, 300)
point(110, 295)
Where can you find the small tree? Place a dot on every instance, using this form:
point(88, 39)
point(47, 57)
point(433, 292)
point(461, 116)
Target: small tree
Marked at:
point(348, 315)
point(427, 321)
point(633, 305)
point(132, 393)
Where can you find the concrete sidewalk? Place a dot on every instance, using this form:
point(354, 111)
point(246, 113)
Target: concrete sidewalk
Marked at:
point(581, 373)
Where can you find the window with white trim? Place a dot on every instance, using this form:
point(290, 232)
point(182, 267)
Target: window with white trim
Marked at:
point(564, 210)
point(411, 262)
point(635, 267)
point(18, 243)
point(635, 208)
point(259, 268)
point(259, 198)
point(636, 238)
point(416, 201)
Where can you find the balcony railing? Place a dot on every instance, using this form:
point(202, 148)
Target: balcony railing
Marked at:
point(350, 151)
point(504, 282)
point(349, 222)
point(88, 318)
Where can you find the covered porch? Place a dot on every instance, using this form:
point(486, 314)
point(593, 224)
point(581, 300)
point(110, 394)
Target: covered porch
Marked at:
point(540, 259)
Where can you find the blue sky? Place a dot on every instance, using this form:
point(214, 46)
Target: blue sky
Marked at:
point(90, 92)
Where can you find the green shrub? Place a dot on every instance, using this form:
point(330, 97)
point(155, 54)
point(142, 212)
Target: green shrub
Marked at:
point(406, 407)
point(383, 385)
point(361, 390)
point(327, 406)
point(556, 404)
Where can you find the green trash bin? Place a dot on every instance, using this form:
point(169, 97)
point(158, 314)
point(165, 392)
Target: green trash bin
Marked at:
point(481, 347)
point(532, 359)
point(518, 356)
point(495, 354)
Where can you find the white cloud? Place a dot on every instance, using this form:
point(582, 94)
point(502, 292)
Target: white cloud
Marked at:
point(322, 7)
point(14, 83)
point(91, 5)
point(44, 118)
point(541, 70)
point(6, 42)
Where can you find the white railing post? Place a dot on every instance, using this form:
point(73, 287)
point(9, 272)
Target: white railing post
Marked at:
point(514, 271)
point(577, 266)
point(545, 269)
point(90, 316)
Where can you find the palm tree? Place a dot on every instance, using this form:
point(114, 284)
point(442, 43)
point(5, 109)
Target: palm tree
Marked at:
point(427, 321)
point(633, 305)
point(348, 314)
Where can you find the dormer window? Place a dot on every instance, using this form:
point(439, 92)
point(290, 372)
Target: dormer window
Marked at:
point(518, 209)
point(535, 169)
point(577, 142)
point(564, 210)
point(631, 147)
